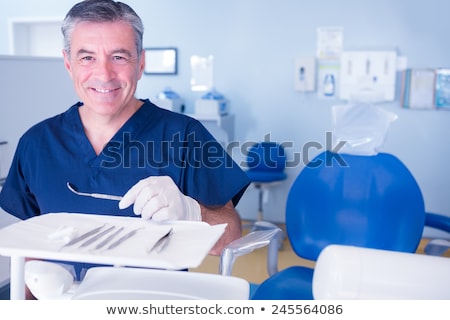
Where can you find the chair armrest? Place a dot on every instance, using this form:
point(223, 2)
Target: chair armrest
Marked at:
point(248, 243)
point(437, 221)
point(437, 247)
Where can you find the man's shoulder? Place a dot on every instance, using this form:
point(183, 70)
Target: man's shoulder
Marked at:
point(51, 123)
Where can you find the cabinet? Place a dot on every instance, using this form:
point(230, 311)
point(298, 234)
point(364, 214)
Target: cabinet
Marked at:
point(221, 127)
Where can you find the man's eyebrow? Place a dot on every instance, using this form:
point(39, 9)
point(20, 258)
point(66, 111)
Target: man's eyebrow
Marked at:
point(84, 51)
point(121, 51)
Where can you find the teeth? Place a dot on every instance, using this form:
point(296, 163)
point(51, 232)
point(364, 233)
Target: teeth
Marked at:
point(103, 90)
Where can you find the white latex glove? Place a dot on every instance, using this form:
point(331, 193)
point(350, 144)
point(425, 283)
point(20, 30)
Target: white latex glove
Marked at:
point(158, 198)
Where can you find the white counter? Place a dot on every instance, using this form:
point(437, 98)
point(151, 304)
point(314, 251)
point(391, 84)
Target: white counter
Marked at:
point(5, 220)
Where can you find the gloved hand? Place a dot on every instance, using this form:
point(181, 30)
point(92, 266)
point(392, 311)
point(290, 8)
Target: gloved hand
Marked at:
point(158, 198)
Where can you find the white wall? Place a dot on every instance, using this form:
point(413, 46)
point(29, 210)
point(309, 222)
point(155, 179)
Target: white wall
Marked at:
point(255, 43)
point(32, 89)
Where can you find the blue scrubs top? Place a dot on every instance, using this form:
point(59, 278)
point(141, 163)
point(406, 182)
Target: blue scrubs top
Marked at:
point(152, 142)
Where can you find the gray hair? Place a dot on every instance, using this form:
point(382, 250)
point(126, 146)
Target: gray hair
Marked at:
point(99, 11)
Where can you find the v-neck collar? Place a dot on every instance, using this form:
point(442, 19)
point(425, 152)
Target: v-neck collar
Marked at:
point(131, 127)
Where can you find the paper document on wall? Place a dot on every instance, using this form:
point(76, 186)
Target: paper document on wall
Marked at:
point(419, 87)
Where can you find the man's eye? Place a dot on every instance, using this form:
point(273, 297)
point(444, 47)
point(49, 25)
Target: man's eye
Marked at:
point(120, 59)
point(87, 59)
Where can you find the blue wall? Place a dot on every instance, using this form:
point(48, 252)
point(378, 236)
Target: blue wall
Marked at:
point(255, 43)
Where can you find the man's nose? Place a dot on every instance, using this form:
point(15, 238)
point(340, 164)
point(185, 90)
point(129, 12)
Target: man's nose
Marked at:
point(104, 69)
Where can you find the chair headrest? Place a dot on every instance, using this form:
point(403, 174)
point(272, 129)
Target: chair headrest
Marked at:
point(266, 156)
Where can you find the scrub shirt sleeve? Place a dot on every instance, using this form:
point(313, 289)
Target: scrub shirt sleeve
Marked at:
point(212, 177)
point(15, 197)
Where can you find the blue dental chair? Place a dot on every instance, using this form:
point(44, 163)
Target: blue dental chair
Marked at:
point(355, 201)
point(363, 201)
point(266, 162)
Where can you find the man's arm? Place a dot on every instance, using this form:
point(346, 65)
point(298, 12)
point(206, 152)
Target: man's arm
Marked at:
point(226, 214)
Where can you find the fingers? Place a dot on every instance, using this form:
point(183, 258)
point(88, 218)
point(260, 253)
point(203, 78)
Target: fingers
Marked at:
point(149, 207)
point(130, 197)
point(155, 197)
point(163, 214)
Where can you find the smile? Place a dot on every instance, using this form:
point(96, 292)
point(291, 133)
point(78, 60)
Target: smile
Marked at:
point(104, 90)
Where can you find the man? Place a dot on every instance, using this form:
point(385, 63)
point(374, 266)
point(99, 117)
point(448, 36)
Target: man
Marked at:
point(166, 165)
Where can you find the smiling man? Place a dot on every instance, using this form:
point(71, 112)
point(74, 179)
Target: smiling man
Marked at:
point(105, 65)
point(112, 142)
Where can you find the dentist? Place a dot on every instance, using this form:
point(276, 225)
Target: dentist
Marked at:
point(166, 165)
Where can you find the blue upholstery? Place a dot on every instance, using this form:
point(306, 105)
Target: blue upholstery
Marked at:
point(266, 163)
point(265, 176)
point(437, 221)
point(266, 158)
point(293, 283)
point(367, 201)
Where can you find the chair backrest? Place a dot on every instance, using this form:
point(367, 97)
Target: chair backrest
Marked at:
point(266, 156)
point(366, 201)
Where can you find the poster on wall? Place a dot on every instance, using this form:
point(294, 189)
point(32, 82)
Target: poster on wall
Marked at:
point(426, 89)
point(330, 42)
point(418, 89)
point(443, 89)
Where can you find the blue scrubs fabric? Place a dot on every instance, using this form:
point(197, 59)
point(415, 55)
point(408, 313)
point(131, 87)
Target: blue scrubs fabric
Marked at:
point(153, 142)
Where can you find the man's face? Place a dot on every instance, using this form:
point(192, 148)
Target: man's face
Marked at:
point(104, 66)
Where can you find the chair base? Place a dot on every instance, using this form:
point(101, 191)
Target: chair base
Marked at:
point(260, 223)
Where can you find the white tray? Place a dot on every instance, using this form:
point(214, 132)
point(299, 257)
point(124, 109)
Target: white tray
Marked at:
point(190, 241)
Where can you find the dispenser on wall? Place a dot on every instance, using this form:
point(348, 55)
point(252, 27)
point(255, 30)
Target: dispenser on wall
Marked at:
point(368, 76)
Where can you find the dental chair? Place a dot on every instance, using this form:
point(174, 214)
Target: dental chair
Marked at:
point(266, 162)
point(370, 202)
point(369, 208)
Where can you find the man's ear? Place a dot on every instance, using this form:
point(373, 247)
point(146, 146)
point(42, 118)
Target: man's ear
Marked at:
point(67, 62)
point(141, 63)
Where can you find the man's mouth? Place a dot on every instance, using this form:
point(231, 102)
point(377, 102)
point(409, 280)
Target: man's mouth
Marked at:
point(104, 90)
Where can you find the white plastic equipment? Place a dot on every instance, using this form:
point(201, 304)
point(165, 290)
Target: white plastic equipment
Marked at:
point(47, 280)
point(347, 272)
